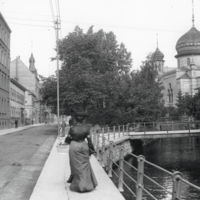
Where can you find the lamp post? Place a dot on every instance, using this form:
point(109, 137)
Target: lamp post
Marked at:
point(58, 99)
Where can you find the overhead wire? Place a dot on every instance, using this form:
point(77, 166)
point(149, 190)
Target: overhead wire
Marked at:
point(78, 21)
point(59, 18)
point(31, 25)
point(29, 19)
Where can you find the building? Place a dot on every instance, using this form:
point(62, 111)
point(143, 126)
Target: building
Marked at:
point(28, 77)
point(17, 103)
point(31, 111)
point(186, 76)
point(5, 33)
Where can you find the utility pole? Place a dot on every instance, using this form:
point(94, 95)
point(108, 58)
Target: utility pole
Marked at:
point(58, 98)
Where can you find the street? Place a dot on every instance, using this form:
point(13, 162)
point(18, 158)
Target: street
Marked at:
point(22, 157)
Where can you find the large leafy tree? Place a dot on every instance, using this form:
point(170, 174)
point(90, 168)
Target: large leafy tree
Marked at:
point(95, 76)
point(92, 64)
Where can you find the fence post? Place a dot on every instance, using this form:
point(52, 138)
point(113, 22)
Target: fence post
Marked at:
point(123, 129)
point(153, 126)
point(176, 193)
point(110, 159)
point(167, 127)
point(119, 130)
point(103, 152)
point(127, 129)
point(97, 146)
point(144, 128)
point(121, 168)
point(114, 132)
point(189, 127)
point(103, 131)
point(95, 138)
point(108, 133)
point(140, 177)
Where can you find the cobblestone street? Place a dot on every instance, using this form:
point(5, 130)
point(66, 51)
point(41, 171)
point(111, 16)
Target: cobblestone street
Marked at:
point(22, 157)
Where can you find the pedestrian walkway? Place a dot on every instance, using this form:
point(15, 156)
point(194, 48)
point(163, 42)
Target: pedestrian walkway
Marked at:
point(12, 130)
point(52, 185)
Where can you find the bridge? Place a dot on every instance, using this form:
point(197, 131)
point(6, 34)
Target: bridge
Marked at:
point(111, 147)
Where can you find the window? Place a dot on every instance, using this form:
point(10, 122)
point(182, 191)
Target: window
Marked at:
point(170, 93)
point(178, 63)
point(188, 61)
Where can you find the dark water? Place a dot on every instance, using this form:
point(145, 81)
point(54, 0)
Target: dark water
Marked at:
point(179, 154)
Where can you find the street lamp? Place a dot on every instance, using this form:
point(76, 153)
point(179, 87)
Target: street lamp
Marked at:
point(58, 99)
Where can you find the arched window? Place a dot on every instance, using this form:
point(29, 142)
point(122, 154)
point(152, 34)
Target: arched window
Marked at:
point(170, 93)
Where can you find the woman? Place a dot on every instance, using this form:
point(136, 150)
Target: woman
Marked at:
point(63, 125)
point(82, 177)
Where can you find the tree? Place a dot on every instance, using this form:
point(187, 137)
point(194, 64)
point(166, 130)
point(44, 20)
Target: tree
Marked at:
point(92, 64)
point(181, 104)
point(146, 97)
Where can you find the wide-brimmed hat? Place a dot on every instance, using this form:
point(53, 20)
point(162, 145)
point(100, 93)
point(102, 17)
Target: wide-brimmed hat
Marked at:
point(81, 114)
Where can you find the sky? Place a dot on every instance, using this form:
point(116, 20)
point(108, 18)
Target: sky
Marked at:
point(136, 23)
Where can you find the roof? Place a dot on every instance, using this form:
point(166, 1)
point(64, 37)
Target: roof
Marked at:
point(184, 76)
point(189, 43)
point(31, 93)
point(5, 23)
point(169, 73)
point(157, 55)
point(18, 84)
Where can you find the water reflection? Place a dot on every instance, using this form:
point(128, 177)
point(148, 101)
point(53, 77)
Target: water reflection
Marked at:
point(173, 154)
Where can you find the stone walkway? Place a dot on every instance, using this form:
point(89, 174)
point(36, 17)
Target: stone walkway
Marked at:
point(52, 184)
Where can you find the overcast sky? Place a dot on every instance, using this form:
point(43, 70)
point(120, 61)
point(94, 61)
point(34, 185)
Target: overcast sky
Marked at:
point(134, 22)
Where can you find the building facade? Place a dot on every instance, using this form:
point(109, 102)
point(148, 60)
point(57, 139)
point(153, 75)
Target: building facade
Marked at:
point(5, 33)
point(30, 108)
point(28, 77)
point(17, 103)
point(186, 76)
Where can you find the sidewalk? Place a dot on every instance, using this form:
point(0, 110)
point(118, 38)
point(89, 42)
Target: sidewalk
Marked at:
point(12, 130)
point(52, 185)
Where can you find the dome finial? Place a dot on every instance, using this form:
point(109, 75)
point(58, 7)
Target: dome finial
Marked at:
point(193, 13)
point(157, 39)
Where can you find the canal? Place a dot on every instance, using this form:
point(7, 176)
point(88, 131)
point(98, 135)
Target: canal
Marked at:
point(172, 154)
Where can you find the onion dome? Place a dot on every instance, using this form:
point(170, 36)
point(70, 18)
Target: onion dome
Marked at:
point(189, 43)
point(157, 55)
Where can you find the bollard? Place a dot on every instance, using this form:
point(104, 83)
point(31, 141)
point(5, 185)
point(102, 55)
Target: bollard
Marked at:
point(114, 132)
point(121, 168)
point(110, 159)
point(140, 173)
point(119, 130)
point(176, 193)
point(103, 152)
point(97, 149)
point(108, 133)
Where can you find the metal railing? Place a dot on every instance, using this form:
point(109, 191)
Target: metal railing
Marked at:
point(105, 144)
point(163, 126)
